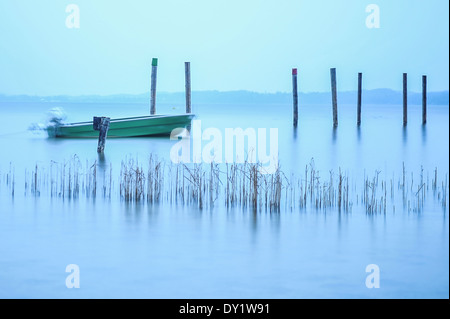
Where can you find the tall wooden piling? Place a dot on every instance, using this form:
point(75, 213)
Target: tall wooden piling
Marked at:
point(187, 76)
point(153, 87)
point(101, 124)
point(405, 99)
point(424, 99)
point(358, 121)
point(334, 96)
point(295, 96)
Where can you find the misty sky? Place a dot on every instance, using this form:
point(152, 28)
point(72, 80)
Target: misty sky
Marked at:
point(232, 45)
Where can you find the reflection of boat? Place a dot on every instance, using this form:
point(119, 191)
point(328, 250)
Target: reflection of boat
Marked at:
point(125, 127)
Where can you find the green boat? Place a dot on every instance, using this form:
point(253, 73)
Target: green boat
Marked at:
point(149, 125)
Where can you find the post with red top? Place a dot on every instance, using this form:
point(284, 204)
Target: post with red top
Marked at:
point(187, 76)
point(153, 87)
point(334, 96)
point(295, 95)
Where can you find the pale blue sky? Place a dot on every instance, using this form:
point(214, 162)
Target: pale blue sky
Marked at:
point(232, 45)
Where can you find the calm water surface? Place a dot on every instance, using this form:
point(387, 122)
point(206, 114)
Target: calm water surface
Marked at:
point(168, 251)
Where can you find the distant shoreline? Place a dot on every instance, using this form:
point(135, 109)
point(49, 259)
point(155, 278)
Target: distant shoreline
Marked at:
point(376, 96)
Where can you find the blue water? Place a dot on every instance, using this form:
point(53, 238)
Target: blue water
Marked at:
point(168, 251)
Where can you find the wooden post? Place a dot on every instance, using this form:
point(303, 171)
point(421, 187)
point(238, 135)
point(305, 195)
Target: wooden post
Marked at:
point(424, 99)
point(295, 96)
point(334, 96)
point(405, 99)
point(153, 87)
point(101, 124)
point(187, 77)
point(359, 99)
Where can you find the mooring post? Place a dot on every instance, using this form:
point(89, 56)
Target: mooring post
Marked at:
point(101, 124)
point(187, 76)
point(359, 98)
point(295, 95)
point(424, 99)
point(334, 96)
point(153, 87)
point(405, 99)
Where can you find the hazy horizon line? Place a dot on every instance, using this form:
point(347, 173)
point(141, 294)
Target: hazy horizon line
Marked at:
point(215, 91)
point(373, 96)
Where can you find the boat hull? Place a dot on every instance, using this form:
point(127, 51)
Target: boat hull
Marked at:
point(125, 127)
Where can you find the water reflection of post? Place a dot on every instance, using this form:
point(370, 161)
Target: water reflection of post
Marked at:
point(334, 135)
point(405, 135)
point(335, 149)
point(102, 168)
point(358, 133)
point(339, 225)
point(188, 130)
point(101, 160)
point(424, 134)
point(254, 221)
